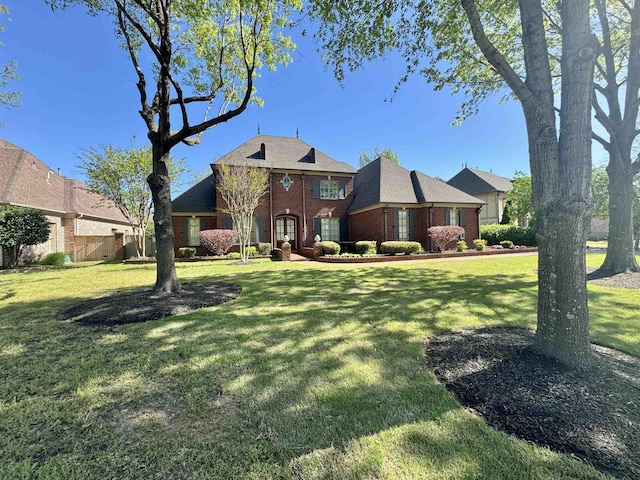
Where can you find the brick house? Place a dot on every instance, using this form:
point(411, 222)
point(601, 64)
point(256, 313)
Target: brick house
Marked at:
point(393, 203)
point(73, 212)
point(486, 186)
point(312, 194)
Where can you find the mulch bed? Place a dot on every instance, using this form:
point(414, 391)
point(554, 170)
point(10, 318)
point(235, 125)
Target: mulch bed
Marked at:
point(141, 305)
point(593, 414)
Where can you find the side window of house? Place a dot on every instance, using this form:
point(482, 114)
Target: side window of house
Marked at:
point(330, 229)
point(403, 225)
point(257, 227)
point(193, 232)
point(451, 217)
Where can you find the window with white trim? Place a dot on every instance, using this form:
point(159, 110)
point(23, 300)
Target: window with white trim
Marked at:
point(193, 232)
point(452, 217)
point(330, 229)
point(329, 189)
point(403, 225)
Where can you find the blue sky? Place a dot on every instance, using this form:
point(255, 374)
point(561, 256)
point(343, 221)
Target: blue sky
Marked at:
point(78, 91)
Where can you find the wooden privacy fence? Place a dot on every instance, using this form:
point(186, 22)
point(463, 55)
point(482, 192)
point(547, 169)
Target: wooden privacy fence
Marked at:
point(95, 248)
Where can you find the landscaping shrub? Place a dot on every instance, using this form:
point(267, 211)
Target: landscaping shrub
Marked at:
point(56, 259)
point(264, 248)
point(330, 248)
point(461, 246)
point(218, 241)
point(186, 252)
point(479, 244)
point(443, 236)
point(366, 247)
point(506, 243)
point(494, 234)
point(392, 248)
point(252, 251)
point(234, 255)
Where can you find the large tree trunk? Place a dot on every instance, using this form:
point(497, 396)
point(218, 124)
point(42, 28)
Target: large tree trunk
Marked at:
point(160, 185)
point(561, 172)
point(620, 250)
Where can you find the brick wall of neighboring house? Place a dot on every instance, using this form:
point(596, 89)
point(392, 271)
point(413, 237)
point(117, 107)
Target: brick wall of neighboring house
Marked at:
point(69, 227)
point(471, 227)
point(367, 225)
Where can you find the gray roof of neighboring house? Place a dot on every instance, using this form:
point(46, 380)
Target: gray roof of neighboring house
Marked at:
point(199, 198)
point(283, 153)
point(26, 181)
point(476, 182)
point(383, 181)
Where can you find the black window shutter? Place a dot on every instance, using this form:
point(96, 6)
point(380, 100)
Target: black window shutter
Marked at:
point(342, 189)
point(227, 223)
point(317, 227)
point(461, 223)
point(344, 229)
point(412, 224)
point(260, 225)
point(185, 231)
point(315, 188)
point(447, 217)
point(395, 225)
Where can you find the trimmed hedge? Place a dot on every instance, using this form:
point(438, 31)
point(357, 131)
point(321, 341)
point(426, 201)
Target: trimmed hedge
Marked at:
point(392, 248)
point(480, 244)
point(330, 248)
point(494, 234)
point(366, 247)
point(264, 248)
point(461, 246)
point(186, 252)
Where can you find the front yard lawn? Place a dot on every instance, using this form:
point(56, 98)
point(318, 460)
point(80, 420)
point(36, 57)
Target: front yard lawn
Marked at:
point(316, 371)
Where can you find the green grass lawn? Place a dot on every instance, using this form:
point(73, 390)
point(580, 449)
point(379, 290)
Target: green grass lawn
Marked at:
point(315, 372)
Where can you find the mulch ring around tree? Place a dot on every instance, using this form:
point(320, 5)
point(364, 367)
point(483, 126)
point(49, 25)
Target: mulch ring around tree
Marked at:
point(593, 414)
point(141, 305)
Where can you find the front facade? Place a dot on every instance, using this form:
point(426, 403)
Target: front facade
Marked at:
point(486, 186)
point(312, 194)
point(78, 219)
point(308, 194)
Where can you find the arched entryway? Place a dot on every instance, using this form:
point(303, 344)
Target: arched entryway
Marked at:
point(287, 225)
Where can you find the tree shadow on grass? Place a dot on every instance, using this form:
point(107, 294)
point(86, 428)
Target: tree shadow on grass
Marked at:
point(306, 368)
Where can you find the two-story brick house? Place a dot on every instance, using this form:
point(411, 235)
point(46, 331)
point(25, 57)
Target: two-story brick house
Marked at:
point(311, 194)
point(308, 194)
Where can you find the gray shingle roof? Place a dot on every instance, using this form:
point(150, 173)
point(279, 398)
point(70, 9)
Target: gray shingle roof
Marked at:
point(383, 181)
point(283, 153)
point(477, 182)
point(199, 198)
point(26, 181)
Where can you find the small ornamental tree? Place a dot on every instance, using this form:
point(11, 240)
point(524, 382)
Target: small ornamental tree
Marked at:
point(443, 236)
point(218, 241)
point(19, 227)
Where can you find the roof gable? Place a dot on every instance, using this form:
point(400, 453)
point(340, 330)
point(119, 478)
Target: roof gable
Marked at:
point(285, 153)
point(199, 198)
point(384, 181)
point(26, 181)
point(476, 182)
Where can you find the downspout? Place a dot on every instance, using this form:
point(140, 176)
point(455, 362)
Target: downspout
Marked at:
point(271, 236)
point(304, 212)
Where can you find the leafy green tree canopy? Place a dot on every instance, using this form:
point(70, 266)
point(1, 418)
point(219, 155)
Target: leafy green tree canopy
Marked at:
point(520, 199)
point(8, 73)
point(20, 227)
point(389, 154)
point(120, 175)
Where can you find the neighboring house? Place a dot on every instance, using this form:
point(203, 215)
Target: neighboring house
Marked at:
point(393, 203)
point(486, 186)
point(312, 194)
point(82, 224)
